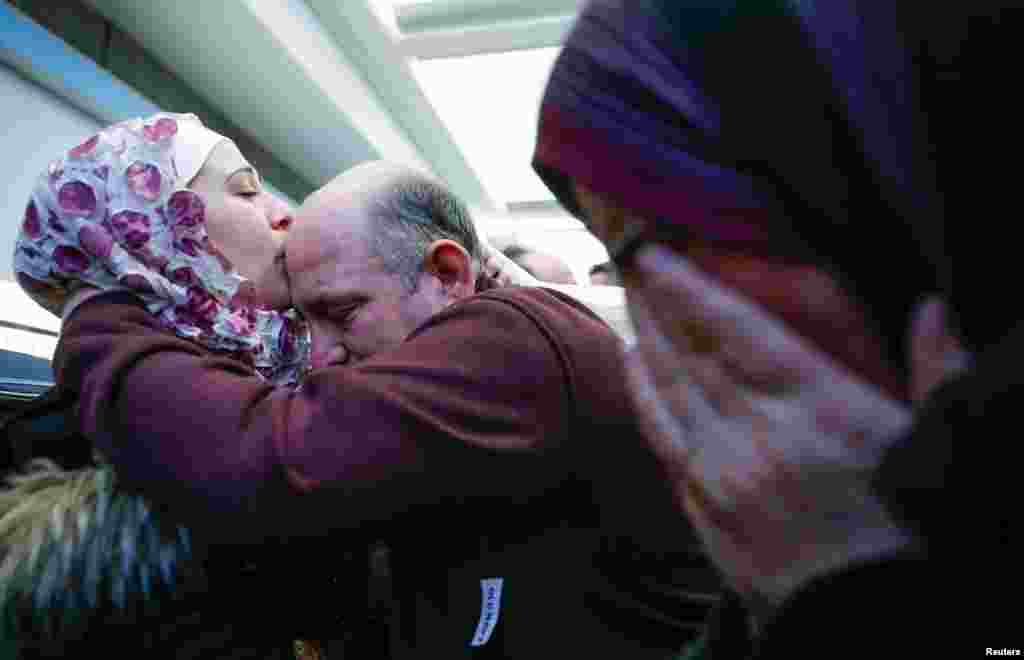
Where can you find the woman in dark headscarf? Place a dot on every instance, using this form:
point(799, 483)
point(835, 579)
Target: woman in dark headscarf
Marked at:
point(806, 155)
point(721, 128)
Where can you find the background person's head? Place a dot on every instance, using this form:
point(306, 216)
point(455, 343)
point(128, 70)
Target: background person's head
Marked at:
point(373, 255)
point(604, 274)
point(545, 267)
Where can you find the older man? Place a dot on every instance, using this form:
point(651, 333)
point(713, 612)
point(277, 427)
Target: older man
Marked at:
point(485, 435)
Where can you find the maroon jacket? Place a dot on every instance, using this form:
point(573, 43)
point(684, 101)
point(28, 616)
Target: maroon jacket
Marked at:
point(496, 441)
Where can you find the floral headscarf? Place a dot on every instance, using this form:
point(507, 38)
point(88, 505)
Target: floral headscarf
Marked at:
point(114, 213)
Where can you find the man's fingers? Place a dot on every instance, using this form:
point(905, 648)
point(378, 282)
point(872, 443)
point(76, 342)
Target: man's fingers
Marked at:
point(679, 406)
point(664, 370)
point(719, 388)
point(679, 377)
point(676, 366)
point(663, 358)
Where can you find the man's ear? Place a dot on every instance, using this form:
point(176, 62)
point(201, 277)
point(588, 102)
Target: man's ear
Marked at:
point(449, 262)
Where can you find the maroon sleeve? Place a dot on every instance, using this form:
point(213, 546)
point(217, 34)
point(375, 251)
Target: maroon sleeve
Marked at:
point(467, 407)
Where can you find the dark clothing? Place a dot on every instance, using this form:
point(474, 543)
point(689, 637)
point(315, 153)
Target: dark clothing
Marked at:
point(982, 409)
point(496, 442)
point(44, 428)
point(232, 606)
point(894, 605)
point(229, 605)
point(884, 608)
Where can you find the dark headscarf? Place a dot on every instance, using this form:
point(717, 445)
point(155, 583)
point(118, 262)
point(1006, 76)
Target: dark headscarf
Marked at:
point(784, 129)
point(863, 137)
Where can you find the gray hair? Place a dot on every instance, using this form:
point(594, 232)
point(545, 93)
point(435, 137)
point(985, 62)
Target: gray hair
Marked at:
point(411, 212)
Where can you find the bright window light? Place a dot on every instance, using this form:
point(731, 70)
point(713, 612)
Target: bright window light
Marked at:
point(490, 104)
point(18, 309)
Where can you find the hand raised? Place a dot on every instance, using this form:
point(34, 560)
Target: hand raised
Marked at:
point(770, 443)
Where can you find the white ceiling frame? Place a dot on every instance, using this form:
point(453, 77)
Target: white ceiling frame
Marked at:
point(427, 15)
point(518, 35)
point(256, 60)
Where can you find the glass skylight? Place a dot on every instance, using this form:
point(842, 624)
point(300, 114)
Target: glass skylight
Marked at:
point(490, 105)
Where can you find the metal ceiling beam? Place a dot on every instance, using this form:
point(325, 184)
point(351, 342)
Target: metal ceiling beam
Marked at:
point(272, 68)
point(475, 14)
point(547, 208)
point(460, 28)
point(30, 49)
point(375, 52)
point(541, 32)
point(50, 62)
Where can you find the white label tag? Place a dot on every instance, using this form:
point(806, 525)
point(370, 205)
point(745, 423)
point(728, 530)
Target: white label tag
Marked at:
point(489, 609)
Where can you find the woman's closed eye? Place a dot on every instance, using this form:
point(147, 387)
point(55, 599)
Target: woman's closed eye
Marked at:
point(245, 183)
point(248, 190)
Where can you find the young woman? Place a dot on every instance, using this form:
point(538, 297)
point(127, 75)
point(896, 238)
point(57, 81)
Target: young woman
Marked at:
point(172, 212)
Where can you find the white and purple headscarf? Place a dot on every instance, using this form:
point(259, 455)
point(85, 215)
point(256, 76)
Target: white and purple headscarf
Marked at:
point(114, 213)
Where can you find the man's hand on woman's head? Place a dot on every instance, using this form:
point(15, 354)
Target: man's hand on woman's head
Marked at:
point(769, 443)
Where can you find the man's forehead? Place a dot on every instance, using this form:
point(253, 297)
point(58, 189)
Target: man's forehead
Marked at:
point(328, 244)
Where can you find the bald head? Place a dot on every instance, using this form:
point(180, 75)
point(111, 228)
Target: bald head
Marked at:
point(361, 183)
point(384, 239)
point(396, 210)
